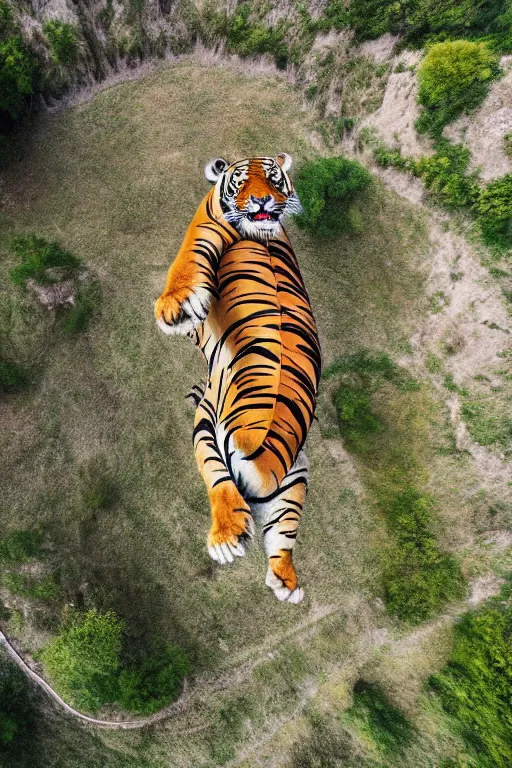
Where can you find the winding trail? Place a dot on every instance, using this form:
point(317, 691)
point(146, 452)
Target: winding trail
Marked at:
point(163, 714)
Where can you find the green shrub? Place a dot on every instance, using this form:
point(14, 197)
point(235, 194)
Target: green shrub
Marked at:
point(494, 210)
point(62, 38)
point(38, 255)
point(335, 16)
point(418, 21)
point(20, 546)
point(453, 79)
point(18, 72)
point(379, 718)
point(369, 18)
point(155, 682)
point(13, 377)
point(475, 687)
point(445, 175)
point(244, 36)
point(328, 189)
point(84, 660)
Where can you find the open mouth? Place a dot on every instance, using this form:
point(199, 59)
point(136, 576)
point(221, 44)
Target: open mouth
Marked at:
point(264, 216)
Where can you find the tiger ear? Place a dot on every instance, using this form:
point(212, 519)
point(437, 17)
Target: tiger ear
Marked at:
point(214, 168)
point(284, 161)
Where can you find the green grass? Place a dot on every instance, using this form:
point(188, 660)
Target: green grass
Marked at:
point(475, 686)
point(98, 453)
point(378, 718)
point(418, 577)
point(20, 546)
point(488, 419)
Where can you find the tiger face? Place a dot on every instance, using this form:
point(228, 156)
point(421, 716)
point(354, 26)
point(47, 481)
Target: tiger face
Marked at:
point(255, 194)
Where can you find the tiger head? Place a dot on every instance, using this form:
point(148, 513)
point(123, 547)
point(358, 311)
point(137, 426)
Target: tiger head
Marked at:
point(255, 194)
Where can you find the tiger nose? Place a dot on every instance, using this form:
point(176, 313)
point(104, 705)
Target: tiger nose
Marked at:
point(261, 201)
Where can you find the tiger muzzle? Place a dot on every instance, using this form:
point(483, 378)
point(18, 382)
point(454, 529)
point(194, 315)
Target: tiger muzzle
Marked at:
point(262, 209)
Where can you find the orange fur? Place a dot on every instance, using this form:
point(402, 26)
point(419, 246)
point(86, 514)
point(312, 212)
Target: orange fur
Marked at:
point(283, 567)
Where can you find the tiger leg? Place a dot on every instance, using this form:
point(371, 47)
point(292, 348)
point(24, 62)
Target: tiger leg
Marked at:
point(232, 523)
point(281, 517)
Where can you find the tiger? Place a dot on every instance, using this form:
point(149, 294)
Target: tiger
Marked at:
point(235, 288)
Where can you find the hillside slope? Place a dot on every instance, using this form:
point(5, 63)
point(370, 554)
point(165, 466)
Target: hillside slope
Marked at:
point(116, 180)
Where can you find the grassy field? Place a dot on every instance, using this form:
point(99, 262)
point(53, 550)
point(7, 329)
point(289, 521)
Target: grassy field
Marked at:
point(116, 181)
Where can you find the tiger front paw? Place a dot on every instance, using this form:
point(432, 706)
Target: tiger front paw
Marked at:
point(232, 526)
point(183, 310)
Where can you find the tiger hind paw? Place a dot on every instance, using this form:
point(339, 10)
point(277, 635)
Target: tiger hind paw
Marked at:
point(281, 591)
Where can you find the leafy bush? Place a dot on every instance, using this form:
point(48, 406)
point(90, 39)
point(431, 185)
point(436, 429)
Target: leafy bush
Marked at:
point(20, 546)
point(453, 78)
point(13, 377)
point(335, 16)
point(244, 36)
point(445, 175)
point(84, 660)
point(62, 38)
point(18, 71)
point(86, 664)
point(328, 189)
point(380, 719)
point(475, 687)
point(155, 682)
point(38, 255)
point(494, 210)
point(418, 21)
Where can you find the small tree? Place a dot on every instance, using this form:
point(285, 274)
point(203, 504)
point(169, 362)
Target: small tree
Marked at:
point(84, 660)
point(453, 78)
point(328, 188)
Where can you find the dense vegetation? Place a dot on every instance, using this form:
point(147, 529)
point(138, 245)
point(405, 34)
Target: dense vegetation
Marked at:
point(418, 577)
point(86, 664)
point(453, 78)
point(475, 688)
point(18, 69)
point(449, 182)
point(422, 20)
point(329, 189)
